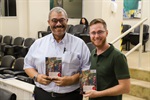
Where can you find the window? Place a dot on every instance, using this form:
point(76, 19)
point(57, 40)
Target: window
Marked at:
point(8, 7)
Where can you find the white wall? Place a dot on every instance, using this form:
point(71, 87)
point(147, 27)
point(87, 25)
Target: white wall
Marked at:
point(113, 20)
point(38, 16)
point(9, 26)
point(22, 16)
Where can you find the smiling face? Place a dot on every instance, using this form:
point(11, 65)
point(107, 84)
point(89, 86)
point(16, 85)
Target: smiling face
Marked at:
point(58, 23)
point(98, 34)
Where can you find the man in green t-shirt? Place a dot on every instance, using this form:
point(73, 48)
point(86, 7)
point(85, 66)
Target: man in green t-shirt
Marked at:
point(111, 66)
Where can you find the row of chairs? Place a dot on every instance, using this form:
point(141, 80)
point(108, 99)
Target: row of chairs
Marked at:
point(78, 30)
point(133, 37)
point(73, 29)
point(18, 48)
point(12, 67)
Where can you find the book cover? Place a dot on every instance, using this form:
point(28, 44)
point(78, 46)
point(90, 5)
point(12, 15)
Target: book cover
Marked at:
point(87, 81)
point(53, 66)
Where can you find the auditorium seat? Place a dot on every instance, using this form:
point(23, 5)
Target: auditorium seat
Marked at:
point(17, 69)
point(6, 63)
point(7, 95)
point(134, 36)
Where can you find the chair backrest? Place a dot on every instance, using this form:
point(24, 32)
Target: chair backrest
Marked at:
point(78, 29)
point(85, 38)
point(49, 29)
point(7, 61)
point(44, 33)
point(7, 39)
point(28, 42)
point(1, 37)
point(125, 27)
point(90, 46)
point(18, 41)
point(7, 95)
point(19, 63)
point(145, 29)
point(69, 28)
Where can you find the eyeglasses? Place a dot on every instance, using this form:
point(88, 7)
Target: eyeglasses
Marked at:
point(54, 20)
point(98, 32)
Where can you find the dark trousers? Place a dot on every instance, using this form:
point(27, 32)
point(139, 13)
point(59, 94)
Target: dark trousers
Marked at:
point(40, 94)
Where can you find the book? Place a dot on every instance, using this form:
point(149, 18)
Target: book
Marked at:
point(53, 66)
point(87, 81)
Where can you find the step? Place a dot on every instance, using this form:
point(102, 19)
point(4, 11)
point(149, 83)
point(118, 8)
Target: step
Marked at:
point(130, 97)
point(140, 74)
point(125, 97)
point(140, 89)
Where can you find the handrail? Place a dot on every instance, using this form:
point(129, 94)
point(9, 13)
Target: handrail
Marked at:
point(139, 45)
point(129, 30)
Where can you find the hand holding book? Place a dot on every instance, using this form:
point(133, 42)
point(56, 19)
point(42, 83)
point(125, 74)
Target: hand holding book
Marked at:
point(53, 67)
point(87, 81)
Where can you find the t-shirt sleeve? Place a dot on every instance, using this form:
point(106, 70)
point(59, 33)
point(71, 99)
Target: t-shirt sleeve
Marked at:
point(121, 67)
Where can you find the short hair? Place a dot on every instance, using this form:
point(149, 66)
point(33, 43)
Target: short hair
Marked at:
point(58, 10)
point(98, 20)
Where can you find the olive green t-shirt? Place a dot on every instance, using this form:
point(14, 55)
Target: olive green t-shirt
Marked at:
point(110, 66)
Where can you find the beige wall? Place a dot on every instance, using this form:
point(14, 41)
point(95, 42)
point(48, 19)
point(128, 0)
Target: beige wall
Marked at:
point(32, 17)
point(9, 26)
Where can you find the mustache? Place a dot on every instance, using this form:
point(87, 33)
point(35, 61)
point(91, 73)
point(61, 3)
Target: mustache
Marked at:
point(60, 26)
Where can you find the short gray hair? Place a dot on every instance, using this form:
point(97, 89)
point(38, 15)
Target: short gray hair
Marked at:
point(58, 10)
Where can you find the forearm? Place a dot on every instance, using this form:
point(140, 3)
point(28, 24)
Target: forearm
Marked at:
point(74, 78)
point(68, 80)
point(31, 72)
point(122, 87)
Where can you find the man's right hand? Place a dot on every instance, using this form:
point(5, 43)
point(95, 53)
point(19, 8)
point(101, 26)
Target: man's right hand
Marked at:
point(43, 79)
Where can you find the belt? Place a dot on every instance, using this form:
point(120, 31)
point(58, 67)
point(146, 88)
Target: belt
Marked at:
point(53, 94)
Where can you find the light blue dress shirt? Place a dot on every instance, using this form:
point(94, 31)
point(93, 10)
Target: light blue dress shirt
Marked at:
point(75, 57)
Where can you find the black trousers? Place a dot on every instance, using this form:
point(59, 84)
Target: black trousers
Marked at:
point(40, 94)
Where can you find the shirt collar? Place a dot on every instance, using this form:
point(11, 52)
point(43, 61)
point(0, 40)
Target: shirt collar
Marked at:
point(52, 39)
point(105, 53)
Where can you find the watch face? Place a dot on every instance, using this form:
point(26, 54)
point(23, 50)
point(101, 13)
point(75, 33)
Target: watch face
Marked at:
point(35, 78)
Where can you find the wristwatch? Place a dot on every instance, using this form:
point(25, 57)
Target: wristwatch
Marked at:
point(35, 77)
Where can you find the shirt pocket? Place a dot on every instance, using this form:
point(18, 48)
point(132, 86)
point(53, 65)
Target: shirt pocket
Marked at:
point(71, 59)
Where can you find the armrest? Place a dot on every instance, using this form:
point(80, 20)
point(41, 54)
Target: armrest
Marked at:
point(18, 73)
point(8, 71)
point(12, 72)
point(4, 76)
point(3, 68)
point(134, 33)
point(25, 79)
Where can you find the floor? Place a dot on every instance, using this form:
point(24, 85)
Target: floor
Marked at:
point(125, 97)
